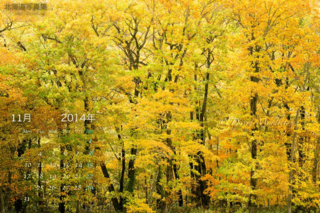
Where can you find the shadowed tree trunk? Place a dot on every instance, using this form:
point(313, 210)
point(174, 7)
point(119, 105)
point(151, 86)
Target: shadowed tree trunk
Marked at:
point(292, 158)
point(254, 151)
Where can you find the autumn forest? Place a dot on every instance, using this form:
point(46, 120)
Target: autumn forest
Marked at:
point(160, 106)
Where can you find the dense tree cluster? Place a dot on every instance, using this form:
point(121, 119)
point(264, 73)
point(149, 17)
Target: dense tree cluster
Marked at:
point(160, 106)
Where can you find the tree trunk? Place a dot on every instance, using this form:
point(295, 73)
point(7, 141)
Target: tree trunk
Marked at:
point(289, 210)
point(2, 200)
point(254, 151)
point(131, 171)
point(316, 157)
point(40, 194)
point(117, 206)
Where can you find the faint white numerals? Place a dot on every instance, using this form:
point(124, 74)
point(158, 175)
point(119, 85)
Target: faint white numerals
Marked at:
point(77, 188)
point(89, 188)
point(27, 165)
point(66, 165)
point(76, 118)
point(79, 165)
point(52, 176)
point(54, 165)
point(66, 176)
point(26, 118)
point(89, 176)
point(27, 176)
point(40, 188)
point(65, 188)
point(52, 188)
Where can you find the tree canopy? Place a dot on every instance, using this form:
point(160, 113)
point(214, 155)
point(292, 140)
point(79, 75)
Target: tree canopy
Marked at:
point(159, 106)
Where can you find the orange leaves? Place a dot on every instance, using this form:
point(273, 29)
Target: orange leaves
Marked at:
point(125, 83)
point(8, 57)
point(162, 75)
